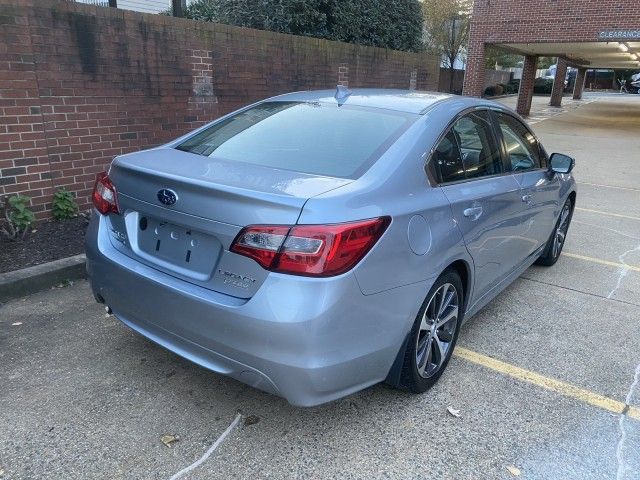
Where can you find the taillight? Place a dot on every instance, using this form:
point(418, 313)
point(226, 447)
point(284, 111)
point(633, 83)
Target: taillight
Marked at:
point(312, 250)
point(260, 243)
point(104, 195)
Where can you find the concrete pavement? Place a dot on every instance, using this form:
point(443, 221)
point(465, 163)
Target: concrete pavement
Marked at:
point(84, 397)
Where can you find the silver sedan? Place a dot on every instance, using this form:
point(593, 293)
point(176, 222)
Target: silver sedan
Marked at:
point(316, 243)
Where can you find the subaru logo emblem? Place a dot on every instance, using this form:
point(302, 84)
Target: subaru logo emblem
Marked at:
point(167, 197)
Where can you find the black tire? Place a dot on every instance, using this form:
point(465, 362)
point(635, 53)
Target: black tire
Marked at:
point(411, 379)
point(550, 255)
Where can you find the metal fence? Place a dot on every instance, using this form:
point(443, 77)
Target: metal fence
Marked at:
point(100, 3)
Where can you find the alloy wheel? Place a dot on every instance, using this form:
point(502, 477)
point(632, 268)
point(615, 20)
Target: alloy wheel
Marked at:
point(437, 330)
point(561, 231)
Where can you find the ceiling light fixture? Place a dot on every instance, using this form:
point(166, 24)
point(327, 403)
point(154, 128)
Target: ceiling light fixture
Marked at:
point(623, 47)
point(634, 56)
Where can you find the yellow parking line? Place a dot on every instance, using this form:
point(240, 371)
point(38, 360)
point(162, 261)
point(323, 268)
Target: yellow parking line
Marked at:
point(609, 214)
point(633, 268)
point(566, 389)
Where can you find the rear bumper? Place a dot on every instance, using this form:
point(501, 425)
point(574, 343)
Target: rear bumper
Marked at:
point(308, 340)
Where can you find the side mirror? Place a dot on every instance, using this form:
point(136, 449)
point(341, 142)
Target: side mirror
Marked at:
point(560, 163)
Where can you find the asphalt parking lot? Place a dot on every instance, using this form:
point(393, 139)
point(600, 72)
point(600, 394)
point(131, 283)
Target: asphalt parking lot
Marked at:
point(543, 377)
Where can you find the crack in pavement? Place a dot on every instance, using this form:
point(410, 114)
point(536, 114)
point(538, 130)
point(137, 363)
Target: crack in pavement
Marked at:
point(623, 271)
point(623, 433)
point(579, 291)
point(211, 449)
point(607, 228)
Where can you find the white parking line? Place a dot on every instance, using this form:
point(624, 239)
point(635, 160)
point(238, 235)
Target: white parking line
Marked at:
point(549, 112)
point(208, 453)
point(609, 214)
point(609, 186)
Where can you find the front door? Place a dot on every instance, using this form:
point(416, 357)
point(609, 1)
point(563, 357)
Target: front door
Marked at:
point(539, 191)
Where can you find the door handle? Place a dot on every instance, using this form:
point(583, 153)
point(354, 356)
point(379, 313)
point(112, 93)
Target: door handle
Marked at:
point(472, 212)
point(527, 198)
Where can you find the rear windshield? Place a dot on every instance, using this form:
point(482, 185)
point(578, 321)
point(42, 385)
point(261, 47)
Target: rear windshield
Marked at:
point(316, 138)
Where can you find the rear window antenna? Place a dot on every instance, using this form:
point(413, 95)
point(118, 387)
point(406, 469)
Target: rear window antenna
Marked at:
point(342, 93)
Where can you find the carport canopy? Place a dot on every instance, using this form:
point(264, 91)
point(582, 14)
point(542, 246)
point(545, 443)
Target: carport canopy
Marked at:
point(612, 54)
point(603, 34)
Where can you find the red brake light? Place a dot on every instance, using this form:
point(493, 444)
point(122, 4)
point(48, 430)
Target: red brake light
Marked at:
point(312, 250)
point(104, 195)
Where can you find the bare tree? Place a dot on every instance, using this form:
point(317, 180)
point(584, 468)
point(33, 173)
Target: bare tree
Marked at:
point(446, 24)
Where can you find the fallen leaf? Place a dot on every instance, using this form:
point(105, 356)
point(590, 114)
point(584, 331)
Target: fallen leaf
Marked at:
point(251, 420)
point(15, 324)
point(1, 472)
point(454, 412)
point(169, 439)
point(514, 471)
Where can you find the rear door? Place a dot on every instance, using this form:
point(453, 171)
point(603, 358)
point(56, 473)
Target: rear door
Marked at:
point(485, 201)
point(539, 192)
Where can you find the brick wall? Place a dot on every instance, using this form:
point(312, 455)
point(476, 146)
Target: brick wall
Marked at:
point(80, 84)
point(524, 21)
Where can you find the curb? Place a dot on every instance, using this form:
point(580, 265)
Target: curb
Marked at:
point(498, 97)
point(20, 283)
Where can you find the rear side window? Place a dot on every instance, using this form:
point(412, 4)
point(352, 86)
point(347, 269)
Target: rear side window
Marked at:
point(523, 151)
point(447, 159)
point(467, 151)
point(316, 138)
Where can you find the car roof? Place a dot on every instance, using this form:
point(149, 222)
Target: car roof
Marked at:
point(409, 101)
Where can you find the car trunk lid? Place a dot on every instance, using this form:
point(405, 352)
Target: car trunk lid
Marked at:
point(214, 199)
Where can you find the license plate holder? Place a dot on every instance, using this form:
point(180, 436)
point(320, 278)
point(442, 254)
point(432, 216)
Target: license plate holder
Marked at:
point(177, 245)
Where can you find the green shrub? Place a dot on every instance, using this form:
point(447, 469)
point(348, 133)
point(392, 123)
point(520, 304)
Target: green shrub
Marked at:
point(543, 86)
point(513, 86)
point(490, 91)
point(16, 215)
point(499, 89)
point(395, 24)
point(64, 205)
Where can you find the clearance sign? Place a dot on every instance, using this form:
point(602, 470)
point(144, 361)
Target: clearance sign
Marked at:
point(620, 35)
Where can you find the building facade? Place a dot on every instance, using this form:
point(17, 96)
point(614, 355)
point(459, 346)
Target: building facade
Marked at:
point(81, 84)
point(585, 34)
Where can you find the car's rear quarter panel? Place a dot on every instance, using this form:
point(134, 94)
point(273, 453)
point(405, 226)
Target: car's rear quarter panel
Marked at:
point(397, 185)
